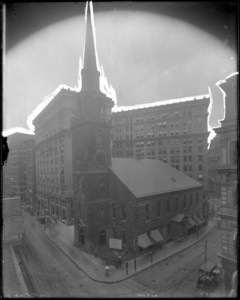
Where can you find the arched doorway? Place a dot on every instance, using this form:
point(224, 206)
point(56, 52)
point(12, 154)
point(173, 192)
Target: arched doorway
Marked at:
point(102, 238)
point(81, 237)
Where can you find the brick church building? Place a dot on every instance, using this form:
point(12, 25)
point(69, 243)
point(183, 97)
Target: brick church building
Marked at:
point(124, 204)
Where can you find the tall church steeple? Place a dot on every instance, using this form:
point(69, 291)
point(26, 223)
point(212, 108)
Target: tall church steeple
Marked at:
point(90, 73)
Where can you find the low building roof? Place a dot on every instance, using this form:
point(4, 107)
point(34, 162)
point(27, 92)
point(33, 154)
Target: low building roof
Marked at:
point(144, 177)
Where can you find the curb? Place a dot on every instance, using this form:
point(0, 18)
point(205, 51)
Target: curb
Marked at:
point(137, 272)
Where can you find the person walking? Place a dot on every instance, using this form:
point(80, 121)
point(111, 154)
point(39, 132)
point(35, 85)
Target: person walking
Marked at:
point(126, 267)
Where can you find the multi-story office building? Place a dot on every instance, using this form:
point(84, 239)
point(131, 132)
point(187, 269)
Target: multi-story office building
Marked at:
point(53, 144)
point(175, 133)
point(19, 165)
point(30, 173)
point(213, 163)
point(227, 169)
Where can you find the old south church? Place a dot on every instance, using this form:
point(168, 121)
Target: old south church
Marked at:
point(121, 204)
point(121, 199)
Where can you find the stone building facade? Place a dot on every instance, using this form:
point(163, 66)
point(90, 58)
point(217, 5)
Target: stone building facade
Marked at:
point(213, 158)
point(140, 206)
point(18, 172)
point(175, 132)
point(53, 144)
point(228, 140)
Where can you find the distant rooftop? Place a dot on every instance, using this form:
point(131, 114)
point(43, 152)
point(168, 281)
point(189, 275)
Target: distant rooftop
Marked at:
point(117, 109)
point(145, 177)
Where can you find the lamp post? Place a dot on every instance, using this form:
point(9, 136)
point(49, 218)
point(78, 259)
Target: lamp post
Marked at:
point(205, 260)
point(134, 250)
point(197, 225)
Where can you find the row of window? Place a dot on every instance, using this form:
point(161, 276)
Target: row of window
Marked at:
point(146, 117)
point(160, 129)
point(159, 206)
point(188, 149)
point(152, 134)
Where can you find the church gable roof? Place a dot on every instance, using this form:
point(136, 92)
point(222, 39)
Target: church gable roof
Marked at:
point(145, 177)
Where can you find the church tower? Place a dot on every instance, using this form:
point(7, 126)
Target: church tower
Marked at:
point(91, 146)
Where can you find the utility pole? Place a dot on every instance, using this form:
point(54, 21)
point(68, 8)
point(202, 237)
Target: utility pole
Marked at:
point(134, 249)
point(197, 225)
point(205, 267)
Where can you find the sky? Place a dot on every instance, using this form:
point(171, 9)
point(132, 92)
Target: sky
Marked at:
point(150, 51)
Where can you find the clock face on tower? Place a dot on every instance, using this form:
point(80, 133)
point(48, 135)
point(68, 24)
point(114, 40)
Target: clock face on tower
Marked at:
point(100, 158)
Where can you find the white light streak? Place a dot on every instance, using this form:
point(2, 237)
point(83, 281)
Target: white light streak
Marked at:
point(159, 103)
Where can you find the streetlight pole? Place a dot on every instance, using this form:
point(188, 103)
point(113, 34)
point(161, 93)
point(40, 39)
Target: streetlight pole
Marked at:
point(197, 225)
point(205, 267)
point(134, 250)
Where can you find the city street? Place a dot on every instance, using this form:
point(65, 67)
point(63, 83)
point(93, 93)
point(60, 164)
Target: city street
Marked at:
point(56, 275)
point(177, 276)
point(120, 165)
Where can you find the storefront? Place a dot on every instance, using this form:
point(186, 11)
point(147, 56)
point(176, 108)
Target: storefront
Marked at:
point(156, 237)
point(179, 226)
point(144, 242)
point(192, 225)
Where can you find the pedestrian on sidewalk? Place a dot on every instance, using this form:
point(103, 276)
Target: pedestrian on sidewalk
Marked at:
point(126, 267)
point(120, 261)
point(106, 271)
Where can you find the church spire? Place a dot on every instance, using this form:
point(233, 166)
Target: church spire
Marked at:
point(90, 73)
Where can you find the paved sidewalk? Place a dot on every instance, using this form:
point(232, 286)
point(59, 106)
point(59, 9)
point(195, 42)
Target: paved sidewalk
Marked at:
point(94, 268)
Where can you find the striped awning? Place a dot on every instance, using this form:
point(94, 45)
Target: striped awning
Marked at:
point(156, 235)
point(179, 218)
point(143, 241)
point(191, 222)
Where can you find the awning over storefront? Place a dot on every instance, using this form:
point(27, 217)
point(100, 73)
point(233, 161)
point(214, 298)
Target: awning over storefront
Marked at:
point(156, 235)
point(197, 220)
point(143, 241)
point(179, 218)
point(191, 222)
point(115, 244)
